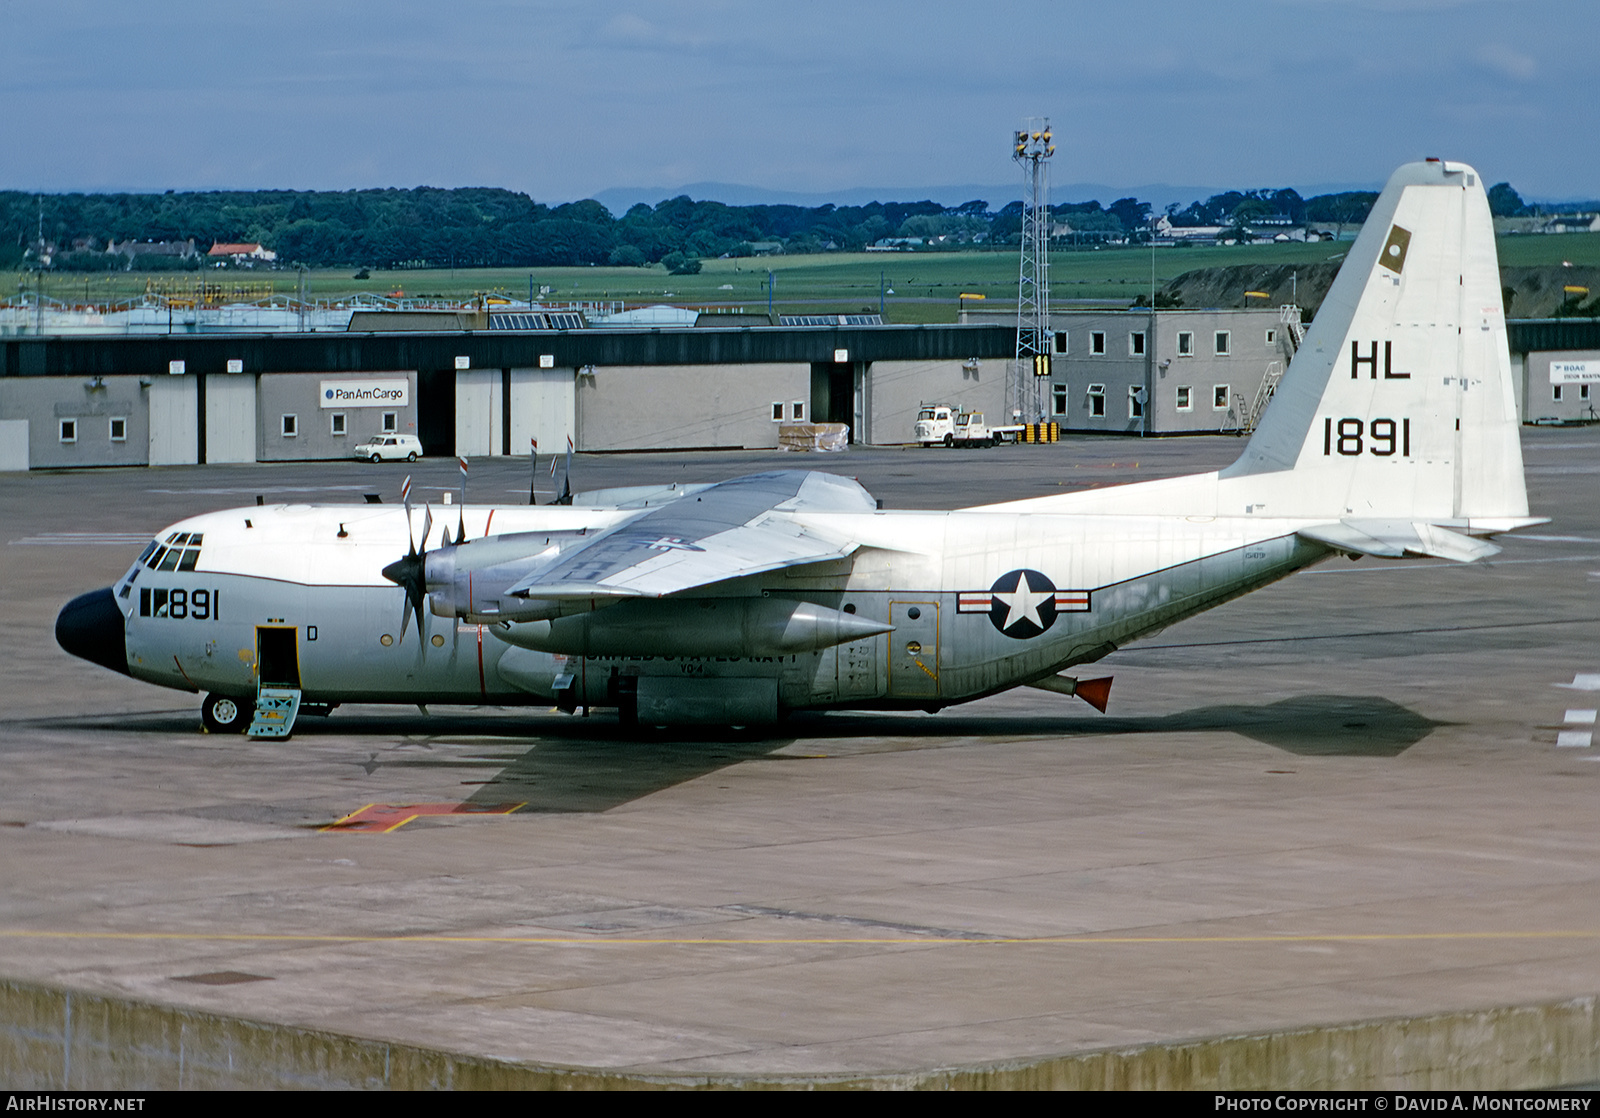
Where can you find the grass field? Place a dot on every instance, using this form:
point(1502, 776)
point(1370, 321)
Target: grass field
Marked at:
point(925, 286)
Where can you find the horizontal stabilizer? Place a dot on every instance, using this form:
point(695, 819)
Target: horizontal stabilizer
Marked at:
point(1398, 539)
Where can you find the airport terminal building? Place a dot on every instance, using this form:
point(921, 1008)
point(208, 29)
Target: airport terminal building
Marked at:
point(74, 401)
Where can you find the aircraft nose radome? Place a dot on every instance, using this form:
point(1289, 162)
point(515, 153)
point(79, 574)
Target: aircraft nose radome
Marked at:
point(91, 628)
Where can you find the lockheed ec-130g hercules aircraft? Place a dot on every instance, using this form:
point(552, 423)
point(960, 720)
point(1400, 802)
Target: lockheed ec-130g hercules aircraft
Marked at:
point(1393, 434)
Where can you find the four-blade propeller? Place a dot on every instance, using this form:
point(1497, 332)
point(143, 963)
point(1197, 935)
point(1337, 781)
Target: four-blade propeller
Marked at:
point(410, 573)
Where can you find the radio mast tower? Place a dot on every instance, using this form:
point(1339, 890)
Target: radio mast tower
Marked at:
point(1030, 372)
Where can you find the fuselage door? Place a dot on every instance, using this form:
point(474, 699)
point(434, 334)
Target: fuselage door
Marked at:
point(914, 649)
point(278, 656)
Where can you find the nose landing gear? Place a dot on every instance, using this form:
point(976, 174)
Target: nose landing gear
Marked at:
point(223, 714)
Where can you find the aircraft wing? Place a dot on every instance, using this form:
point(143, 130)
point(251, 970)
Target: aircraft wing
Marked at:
point(728, 530)
point(1396, 539)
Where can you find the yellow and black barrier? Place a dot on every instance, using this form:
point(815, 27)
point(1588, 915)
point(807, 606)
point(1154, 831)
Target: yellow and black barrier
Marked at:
point(1041, 432)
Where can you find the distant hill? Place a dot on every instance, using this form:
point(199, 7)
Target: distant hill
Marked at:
point(1530, 292)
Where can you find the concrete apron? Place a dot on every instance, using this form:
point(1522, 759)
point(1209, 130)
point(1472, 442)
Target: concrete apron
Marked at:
point(54, 1039)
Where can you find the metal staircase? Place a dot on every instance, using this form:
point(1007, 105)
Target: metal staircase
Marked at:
point(1269, 385)
point(1289, 315)
point(276, 708)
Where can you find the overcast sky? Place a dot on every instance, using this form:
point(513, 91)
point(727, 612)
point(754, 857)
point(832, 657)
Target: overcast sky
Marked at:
point(565, 100)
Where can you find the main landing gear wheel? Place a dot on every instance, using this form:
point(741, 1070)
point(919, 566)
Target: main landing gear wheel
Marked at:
point(224, 715)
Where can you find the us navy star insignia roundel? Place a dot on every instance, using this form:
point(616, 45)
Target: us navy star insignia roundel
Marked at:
point(1023, 603)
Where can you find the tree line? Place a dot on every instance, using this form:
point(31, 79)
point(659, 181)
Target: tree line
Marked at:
point(491, 227)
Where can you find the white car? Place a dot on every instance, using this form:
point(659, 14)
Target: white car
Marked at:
point(391, 447)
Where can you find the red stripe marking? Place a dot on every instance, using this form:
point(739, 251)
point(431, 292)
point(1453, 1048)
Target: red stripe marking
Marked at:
point(488, 522)
point(482, 690)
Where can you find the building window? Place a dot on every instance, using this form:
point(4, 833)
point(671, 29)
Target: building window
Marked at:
point(1219, 397)
point(1222, 343)
point(68, 430)
point(1583, 391)
point(1272, 337)
point(1058, 399)
point(1136, 344)
point(1097, 401)
point(390, 426)
point(1555, 393)
point(1097, 342)
point(119, 429)
point(290, 426)
point(797, 411)
point(1185, 343)
point(1185, 398)
point(777, 411)
point(1061, 341)
point(336, 423)
point(1135, 402)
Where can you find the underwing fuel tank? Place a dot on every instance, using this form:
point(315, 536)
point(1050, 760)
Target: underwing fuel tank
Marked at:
point(734, 627)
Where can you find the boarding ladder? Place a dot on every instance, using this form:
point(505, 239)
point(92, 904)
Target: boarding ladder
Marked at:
point(275, 712)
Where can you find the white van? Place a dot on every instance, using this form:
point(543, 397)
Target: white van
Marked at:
point(391, 447)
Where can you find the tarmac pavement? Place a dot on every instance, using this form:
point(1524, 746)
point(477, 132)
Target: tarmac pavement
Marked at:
point(1337, 799)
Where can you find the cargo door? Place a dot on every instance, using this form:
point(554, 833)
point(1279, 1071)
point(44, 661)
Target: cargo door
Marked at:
point(914, 649)
point(277, 656)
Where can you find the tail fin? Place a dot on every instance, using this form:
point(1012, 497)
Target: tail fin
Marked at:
point(1399, 403)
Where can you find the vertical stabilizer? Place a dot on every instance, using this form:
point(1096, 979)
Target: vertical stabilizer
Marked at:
point(1399, 403)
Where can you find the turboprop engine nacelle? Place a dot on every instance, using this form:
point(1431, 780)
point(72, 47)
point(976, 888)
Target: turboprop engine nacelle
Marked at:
point(732, 627)
point(469, 580)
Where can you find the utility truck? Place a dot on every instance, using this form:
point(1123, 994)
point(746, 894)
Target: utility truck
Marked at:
point(949, 425)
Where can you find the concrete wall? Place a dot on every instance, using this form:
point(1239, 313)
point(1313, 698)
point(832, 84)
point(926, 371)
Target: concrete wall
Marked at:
point(1578, 401)
point(678, 407)
point(299, 394)
point(1204, 371)
point(44, 401)
point(53, 1039)
point(1076, 366)
point(896, 389)
point(230, 418)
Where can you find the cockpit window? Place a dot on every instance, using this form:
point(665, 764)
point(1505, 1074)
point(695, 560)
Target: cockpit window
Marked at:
point(176, 556)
